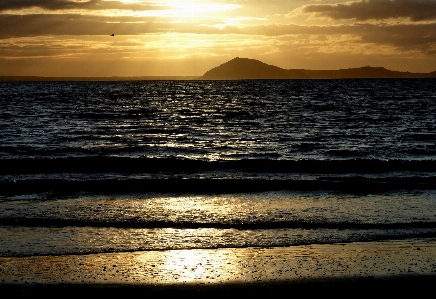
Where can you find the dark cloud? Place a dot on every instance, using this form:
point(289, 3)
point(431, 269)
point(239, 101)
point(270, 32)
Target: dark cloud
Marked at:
point(421, 37)
point(68, 4)
point(72, 24)
point(60, 24)
point(418, 36)
point(415, 10)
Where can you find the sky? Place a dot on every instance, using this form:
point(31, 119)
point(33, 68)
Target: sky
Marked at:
point(187, 38)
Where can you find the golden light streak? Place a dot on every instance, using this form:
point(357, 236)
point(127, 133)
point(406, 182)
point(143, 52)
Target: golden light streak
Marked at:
point(196, 7)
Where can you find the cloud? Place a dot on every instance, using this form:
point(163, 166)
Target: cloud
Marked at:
point(415, 10)
point(417, 37)
point(421, 37)
point(72, 24)
point(68, 4)
point(413, 36)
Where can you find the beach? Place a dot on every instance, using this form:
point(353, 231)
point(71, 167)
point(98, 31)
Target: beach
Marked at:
point(390, 266)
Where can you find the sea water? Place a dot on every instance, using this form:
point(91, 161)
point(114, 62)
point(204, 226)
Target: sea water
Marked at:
point(91, 167)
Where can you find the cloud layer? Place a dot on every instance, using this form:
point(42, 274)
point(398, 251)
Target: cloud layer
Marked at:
point(68, 4)
point(415, 10)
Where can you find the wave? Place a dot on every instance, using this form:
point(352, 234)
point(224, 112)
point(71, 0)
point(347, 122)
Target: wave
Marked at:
point(254, 225)
point(195, 186)
point(152, 165)
point(111, 240)
point(169, 175)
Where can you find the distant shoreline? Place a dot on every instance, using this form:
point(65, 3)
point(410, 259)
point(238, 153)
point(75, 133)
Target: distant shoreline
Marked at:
point(247, 69)
point(171, 78)
point(79, 79)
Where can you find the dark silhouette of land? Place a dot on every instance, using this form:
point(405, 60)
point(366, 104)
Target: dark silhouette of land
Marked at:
point(247, 69)
point(244, 68)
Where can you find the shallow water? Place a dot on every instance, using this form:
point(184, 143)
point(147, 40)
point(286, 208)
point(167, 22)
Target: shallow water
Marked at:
point(136, 222)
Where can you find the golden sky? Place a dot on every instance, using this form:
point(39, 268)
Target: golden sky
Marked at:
point(187, 38)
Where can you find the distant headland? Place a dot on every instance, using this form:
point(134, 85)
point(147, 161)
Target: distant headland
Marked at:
point(247, 69)
point(244, 68)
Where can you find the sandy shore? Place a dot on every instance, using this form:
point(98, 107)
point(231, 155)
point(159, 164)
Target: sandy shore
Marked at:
point(394, 266)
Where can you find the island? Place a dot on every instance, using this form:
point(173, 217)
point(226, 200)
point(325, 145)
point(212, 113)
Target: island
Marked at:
point(246, 69)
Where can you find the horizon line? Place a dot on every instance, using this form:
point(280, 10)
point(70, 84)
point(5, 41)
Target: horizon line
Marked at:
point(317, 74)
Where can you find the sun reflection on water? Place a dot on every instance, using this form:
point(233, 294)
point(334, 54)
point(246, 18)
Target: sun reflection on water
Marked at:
point(193, 266)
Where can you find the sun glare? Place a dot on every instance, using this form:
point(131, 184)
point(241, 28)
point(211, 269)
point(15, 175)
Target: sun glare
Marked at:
point(193, 7)
point(197, 266)
point(188, 9)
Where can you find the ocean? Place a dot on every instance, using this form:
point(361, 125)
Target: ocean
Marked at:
point(96, 167)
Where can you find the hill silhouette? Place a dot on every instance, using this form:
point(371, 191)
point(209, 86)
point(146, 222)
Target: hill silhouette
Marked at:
point(245, 68)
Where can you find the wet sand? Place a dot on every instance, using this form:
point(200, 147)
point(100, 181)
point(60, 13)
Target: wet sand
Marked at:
point(401, 267)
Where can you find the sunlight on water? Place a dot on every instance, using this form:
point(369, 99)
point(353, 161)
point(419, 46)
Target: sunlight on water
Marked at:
point(227, 264)
point(193, 265)
point(146, 222)
point(270, 119)
point(93, 167)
